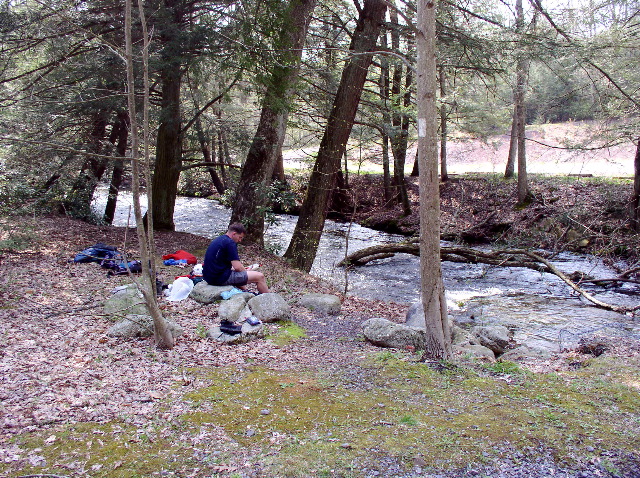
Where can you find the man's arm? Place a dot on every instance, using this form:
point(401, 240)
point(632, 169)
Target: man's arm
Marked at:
point(237, 266)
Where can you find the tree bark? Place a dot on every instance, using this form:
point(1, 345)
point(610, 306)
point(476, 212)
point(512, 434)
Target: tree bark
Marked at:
point(250, 203)
point(438, 342)
point(164, 338)
point(79, 200)
point(306, 236)
point(510, 169)
point(386, 119)
point(635, 200)
point(119, 136)
point(168, 152)
point(522, 72)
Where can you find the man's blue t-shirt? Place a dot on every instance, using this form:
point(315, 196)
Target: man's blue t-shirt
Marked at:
point(217, 260)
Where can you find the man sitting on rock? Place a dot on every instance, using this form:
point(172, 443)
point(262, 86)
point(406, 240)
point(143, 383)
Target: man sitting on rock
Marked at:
point(222, 264)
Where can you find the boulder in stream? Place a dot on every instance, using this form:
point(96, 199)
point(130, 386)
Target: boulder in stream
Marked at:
point(495, 337)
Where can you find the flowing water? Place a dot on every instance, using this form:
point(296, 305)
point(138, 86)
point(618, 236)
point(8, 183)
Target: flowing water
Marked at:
point(542, 310)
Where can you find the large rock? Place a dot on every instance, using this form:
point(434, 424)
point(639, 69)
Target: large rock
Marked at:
point(125, 300)
point(140, 326)
point(494, 337)
point(384, 333)
point(475, 351)
point(231, 309)
point(269, 307)
point(249, 332)
point(207, 294)
point(460, 336)
point(324, 304)
point(525, 352)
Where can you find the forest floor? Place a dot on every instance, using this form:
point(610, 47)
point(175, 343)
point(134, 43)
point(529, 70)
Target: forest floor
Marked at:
point(313, 399)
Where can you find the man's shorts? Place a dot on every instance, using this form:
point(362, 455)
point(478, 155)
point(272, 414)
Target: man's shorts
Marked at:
point(237, 278)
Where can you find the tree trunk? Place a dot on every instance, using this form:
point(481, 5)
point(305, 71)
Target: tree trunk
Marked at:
point(510, 170)
point(415, 171)
point(278, 170)
point(400, 120)
point(164, 338)
point(168, 152)
point(205, 144)
point(79, 200)
point(522, 71)
point(635, 200)
point(386, 119)
point(250, 203)
point(438, 342)
point(119, 136)
point(306, 236)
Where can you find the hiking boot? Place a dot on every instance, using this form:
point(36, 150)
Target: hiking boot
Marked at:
point(230, 328)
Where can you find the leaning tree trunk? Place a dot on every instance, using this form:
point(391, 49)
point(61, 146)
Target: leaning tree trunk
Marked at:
point(510, 169)
point(168, 152)
point(306, 236)
point(250, 203)
point(635, 200)
point(438, 336)
point(79, 201)
point(119, 136)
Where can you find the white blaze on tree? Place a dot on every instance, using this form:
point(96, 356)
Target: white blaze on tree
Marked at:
point(438, 341)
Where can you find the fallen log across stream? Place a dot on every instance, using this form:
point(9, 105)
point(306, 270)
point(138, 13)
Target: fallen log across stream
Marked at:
point(499, 258)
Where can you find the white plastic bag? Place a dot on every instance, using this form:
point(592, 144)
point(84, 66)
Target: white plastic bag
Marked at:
point(181, 288)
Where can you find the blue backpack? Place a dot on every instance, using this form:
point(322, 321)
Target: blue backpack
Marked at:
point(97, 253)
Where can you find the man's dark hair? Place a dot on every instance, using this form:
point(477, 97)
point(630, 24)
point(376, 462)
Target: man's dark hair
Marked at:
point(237, 227)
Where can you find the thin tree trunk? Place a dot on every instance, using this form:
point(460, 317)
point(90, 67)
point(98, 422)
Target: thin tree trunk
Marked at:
point(222, 158)
point(399, 136)
point(306, 236)
point(438, 340)
point(250, 203)
point(386, 119)
point(522, 72)
point(635, 200)
point(164, 338)
point(510, 170)
point(119, 136)
point(204, 143)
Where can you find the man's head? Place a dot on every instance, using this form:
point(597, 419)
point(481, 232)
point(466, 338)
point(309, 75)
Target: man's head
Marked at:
point(236, 232)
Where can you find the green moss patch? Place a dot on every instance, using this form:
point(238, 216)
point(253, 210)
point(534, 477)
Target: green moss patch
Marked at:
point(285, 332)
point(293, 423)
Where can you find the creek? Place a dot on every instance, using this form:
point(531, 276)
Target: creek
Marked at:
point(543, 311)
